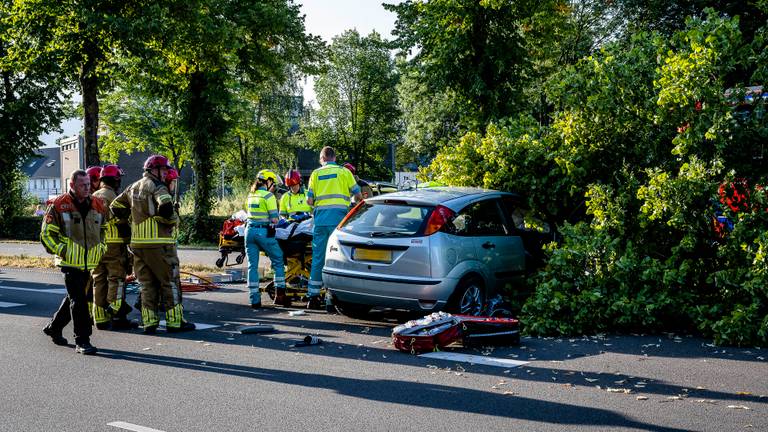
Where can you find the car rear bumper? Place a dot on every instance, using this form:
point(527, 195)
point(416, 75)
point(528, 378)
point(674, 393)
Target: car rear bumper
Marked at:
point(417, 294)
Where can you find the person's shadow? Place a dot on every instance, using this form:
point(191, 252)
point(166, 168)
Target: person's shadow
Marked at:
point(409, 393)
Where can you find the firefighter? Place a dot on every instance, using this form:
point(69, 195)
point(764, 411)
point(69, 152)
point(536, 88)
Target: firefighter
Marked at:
point(293, 204)
point(74, 229)
point(330, 190)
point(260, 235)
point(94, 173)
point(365, 188)
point(109, 306)
point(149, 205)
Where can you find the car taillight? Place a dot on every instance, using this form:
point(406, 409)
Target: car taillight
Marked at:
point(349, 215)
point(439, 217)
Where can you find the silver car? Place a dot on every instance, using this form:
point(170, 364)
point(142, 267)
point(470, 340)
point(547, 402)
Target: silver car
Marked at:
point(429, 249)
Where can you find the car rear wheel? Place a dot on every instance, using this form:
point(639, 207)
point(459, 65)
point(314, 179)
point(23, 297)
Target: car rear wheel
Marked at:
point(468, 299)
point(352, 310)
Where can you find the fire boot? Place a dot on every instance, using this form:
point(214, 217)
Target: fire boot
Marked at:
point(281, 298)
point(314, 303)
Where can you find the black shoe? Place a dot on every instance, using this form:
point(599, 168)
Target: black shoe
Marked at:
point(150, 330)
point(185, 326)
point(282, 299)
point(124, 324)
point(55, 336)
point(314, 303)
point(104, 325)
point(85, 348)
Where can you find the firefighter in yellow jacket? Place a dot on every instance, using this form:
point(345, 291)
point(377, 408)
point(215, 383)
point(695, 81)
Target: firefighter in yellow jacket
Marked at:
point(149, 206)
point(74, 230)
point(109, 305)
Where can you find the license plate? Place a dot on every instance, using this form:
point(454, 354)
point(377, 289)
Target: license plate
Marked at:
point(376, 255)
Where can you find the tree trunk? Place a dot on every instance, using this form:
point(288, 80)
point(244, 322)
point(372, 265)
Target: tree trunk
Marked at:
point(201, 149)
point(89, 87)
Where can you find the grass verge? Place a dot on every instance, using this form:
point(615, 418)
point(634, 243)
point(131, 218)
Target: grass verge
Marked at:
point(27, 262)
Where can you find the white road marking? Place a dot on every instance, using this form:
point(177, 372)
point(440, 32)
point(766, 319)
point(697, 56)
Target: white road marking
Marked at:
point(44, 291)
point(198, 326)
point(475, 359)
point(9, 304)
point(132, 427)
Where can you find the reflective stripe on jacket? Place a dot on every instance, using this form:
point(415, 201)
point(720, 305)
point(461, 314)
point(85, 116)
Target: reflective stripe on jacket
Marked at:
point(262, 206)
point(331, 187)
point(107, 194)
point(141, 201)
point(293, 203)
point(77, 241)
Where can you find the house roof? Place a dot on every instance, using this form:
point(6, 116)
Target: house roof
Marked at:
point(45, 164)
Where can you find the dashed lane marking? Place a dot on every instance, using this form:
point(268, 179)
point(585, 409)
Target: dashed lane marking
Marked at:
point(132, 427)
point(9, 304)
point(474, 359)
point(43, 291)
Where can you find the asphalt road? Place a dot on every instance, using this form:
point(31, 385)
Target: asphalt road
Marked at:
point(220, 380)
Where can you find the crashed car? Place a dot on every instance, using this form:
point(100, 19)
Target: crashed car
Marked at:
point(432, 249)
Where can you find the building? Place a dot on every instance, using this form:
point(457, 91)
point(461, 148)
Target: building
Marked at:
point(73, 157)
point(43, 172)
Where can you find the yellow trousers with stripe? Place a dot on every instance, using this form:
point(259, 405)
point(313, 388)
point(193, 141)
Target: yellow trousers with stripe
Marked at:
point(158, 271)
point(109, 282)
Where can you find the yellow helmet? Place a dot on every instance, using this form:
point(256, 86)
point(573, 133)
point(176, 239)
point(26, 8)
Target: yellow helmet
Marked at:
point(266, 174)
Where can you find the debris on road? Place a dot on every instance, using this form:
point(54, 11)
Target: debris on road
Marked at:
point(741, 407)
point(307, 341)
point(257, 328)
point(642, 398)
point(296, 313)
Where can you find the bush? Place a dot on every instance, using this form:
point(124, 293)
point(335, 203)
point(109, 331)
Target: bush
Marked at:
point(23, 228)
point(212, 227)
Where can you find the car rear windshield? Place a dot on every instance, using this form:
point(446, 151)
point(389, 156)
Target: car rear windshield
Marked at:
point(387, 220)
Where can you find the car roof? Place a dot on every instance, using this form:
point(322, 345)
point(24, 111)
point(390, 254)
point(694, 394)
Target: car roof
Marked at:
point(454, 198)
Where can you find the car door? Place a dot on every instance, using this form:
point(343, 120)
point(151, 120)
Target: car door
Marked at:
point(496, 247)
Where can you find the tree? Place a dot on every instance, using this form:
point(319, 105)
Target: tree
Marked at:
point(210, 48)
point(358, 111)
point(135, 120)
point(80, 40)
point(473, 48)
point(30, 105)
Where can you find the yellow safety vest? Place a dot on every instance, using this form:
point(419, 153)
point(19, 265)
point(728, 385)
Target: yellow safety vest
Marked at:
point(292, 203)
point(331, 187)
point(262, 206)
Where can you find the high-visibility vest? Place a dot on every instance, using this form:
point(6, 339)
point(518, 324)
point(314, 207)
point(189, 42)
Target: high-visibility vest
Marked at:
point(77, 241)
point(293, 203)
point(107, 194)
point(331, 186)
point(142, 200)
point(262, 206)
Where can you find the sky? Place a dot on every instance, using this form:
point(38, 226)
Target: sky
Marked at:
point(324, 18)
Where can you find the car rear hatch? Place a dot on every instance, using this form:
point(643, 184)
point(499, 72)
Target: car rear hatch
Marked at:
point(386, 238)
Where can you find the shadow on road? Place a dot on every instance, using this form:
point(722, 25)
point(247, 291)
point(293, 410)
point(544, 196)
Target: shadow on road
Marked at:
point(409, 393)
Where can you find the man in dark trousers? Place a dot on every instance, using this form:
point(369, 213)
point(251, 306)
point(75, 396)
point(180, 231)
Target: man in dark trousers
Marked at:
point(74, 231)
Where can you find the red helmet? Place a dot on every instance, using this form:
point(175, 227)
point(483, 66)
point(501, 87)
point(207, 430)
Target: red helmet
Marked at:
point(94, 173)
point(171, 175)
point(350, 167)
point(156, 161)
point(292, 178)
point(111, 171)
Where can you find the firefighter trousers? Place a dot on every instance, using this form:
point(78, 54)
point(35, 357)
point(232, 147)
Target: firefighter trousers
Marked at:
point(74, 307)
point(109, 283)
point(157, 269)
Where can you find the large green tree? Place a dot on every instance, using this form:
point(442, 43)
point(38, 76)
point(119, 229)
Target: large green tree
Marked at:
point(30, 105)
point(210, 48)
point(358, 112)
point(81, 38)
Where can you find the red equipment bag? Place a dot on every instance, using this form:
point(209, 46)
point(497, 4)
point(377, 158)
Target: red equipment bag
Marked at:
point(430, 333)
point(482, 330)
point(228, 229)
